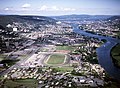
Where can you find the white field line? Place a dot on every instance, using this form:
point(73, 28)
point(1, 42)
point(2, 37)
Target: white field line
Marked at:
point(45, 61)
point(65, 59)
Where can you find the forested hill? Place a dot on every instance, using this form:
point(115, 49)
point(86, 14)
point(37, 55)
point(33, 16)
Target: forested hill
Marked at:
point(9, 19)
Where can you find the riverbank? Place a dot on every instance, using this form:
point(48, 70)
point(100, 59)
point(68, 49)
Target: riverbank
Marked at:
point(115, 54)
point(103, 52)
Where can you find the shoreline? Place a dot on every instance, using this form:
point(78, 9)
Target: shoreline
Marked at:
point(103, 52)
point(112, 56)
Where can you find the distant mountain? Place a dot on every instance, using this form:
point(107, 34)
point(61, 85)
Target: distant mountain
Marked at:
point(21, 24)
point(114, 18)
point(9, 19)
point(81, 17)
point(29, 23)
point(38, 18)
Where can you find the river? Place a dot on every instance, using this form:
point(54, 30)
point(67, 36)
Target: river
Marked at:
point(103, 52)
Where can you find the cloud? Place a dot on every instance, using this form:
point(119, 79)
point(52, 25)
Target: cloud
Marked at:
point(26, 5)
point(44, 7)
point(6, 9)
point(54, 8)
point(69, 9)
point(24, 9)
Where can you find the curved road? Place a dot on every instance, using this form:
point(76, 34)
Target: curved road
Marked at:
point(103, 52)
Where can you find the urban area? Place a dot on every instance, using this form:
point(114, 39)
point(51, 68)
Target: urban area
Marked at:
point(45, 52)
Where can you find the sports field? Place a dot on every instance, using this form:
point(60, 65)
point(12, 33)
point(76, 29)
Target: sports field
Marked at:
point(70, 48)
point(2, 57)
point(63, 69)
point(56, 59)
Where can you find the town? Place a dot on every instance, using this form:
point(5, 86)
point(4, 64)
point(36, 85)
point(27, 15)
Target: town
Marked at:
point(49, 55)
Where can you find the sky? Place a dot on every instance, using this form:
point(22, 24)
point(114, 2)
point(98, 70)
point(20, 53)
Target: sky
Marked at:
point(60, 7)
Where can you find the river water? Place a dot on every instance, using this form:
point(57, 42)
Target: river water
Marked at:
point(103, 52)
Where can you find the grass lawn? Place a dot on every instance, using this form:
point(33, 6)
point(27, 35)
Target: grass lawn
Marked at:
point(71, 48)
point(115, 52)
point(118, 34)
point(28, 83)
point(2, 57)
point(56, 59)
point(9, 62)
point(45, 50)
point(63, 69)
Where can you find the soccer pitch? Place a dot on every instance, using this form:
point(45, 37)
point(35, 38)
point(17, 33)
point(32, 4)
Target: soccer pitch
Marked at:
point(56, 59)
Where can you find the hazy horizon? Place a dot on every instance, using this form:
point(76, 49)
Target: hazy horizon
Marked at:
point(62, 14)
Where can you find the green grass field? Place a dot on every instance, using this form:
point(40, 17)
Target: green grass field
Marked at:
point(65, 48)
point(2, 57)
point(115, 52)
point(28, 83)
point(56, 59)
point(63, 69)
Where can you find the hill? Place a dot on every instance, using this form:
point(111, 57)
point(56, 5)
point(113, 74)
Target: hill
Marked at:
point(12, 27)
point(9, 19)
point(114, 18)
point(81, 17)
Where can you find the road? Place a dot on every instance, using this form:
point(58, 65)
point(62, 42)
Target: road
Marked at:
point(16, 65)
